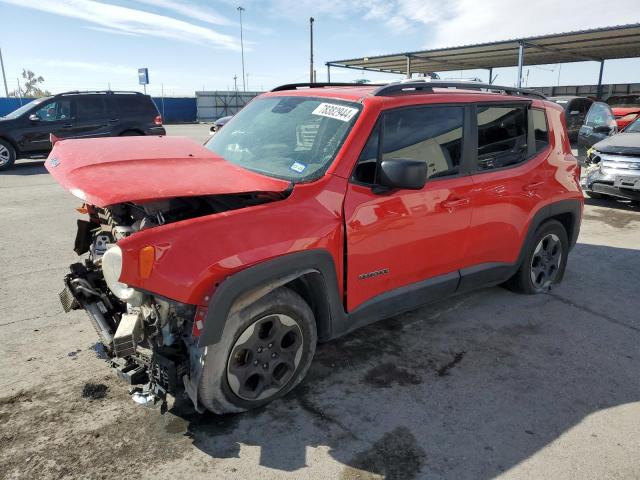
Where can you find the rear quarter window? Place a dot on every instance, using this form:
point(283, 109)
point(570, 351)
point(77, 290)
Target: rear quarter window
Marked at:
point(135, 105)
point(540, 129)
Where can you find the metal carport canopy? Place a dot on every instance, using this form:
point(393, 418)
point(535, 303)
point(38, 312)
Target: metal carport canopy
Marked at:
point(598, 45)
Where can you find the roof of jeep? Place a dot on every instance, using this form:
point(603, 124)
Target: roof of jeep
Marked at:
point(359, 92)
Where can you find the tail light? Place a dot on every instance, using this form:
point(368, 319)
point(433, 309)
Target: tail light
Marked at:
point(158, 120)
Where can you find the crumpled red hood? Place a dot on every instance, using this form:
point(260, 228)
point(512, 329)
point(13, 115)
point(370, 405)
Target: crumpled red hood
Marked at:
point(107, 171)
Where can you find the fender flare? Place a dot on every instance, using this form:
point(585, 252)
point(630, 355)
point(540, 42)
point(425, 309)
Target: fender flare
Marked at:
point(549, 212)
point(246, 286)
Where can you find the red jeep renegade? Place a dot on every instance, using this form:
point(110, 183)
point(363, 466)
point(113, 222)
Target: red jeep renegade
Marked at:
point(319, 208)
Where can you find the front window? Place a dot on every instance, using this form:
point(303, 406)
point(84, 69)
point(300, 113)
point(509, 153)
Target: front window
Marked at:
point(55, 111)
point(292, 138)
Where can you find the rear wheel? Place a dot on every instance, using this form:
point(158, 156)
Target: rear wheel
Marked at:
point(544, 262)
point(7, 155)
point(131, 133)
point(264, 352)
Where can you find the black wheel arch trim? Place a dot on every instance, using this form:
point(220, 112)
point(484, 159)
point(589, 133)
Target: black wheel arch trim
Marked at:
point(238, 290)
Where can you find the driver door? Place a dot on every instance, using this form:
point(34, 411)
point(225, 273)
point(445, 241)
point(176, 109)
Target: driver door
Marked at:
point(599, 124)
point(53, 117)
point(399, 238)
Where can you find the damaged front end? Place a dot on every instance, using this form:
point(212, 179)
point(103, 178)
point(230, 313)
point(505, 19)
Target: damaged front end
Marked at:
point(147, 337)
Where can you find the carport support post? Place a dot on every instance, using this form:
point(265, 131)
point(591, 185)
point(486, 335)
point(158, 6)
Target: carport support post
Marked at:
point(408, 66)
point(599, 90)
point(490, 75)
point(328, 73)
point(520, 62)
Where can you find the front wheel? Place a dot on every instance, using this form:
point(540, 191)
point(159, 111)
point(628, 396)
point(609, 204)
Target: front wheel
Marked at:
point(264, 352)
point(7, 155)
point(544, 262)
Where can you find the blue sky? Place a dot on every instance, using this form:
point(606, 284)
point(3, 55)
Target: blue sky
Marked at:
point(193, 44)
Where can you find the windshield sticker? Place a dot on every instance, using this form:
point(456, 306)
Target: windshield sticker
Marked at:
point(339, 112)
point(298, 167)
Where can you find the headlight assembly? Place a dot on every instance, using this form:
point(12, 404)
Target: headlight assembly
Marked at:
point(111, 269)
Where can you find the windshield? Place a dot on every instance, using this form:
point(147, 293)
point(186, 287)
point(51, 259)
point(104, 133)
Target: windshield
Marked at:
point(624, 101)
point(292, 138)
point(24, 108)
point(633, 127)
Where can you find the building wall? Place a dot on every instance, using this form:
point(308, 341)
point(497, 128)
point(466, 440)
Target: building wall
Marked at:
point(221, 103)
point(590, 90)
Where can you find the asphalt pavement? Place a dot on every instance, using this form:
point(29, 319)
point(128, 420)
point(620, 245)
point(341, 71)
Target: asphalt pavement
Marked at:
point(485, 385)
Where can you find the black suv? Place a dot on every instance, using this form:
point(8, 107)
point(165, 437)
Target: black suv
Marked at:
point(25, 132)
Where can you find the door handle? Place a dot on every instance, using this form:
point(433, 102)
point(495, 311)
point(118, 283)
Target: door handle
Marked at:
point(533, 185)
point(455, 203)
point(67, 125)
point(114, 120)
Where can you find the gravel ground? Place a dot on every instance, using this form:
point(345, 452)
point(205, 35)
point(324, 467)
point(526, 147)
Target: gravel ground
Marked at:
point(489, 384)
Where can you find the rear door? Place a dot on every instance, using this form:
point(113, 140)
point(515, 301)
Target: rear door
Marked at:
point(400, 237)
point(510, 175)
point(91, 116)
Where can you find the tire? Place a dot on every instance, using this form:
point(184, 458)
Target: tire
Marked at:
point(7, 155)
point(596, 195)
point(131, 133)
point(240, 373)
point(540, 269)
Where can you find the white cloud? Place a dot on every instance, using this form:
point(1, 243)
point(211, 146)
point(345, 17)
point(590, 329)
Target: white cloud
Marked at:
point(129, 20)
point(91, 67)
point(190, 10)
point(433, 23)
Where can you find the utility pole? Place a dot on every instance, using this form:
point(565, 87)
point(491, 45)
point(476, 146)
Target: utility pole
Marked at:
point(4, 78)
point(19, 90)
point(244, 85)
point(311, 79)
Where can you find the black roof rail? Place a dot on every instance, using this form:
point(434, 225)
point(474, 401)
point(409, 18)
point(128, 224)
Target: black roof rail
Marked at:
point(295, 86)
point(76, 92)
point(428, 86)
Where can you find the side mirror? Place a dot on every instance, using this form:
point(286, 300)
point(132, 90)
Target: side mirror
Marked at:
point(403, 173)
point(34, 118)
point(602, 129)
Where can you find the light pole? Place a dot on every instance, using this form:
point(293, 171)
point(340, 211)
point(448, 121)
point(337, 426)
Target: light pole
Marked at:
point(244, 86)
point(311, 79)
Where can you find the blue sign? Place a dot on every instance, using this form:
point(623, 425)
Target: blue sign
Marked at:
point(143, 76)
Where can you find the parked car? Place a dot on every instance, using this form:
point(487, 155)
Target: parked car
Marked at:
point(626, 108)
point(219, 123)
point(575, 111)
point(600, 123)
point(317, 210)
point(613, 165)
point(25, 132)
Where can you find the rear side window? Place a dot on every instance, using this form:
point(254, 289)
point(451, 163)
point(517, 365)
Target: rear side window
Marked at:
point(430, 134)
point(89, 107)
point(135, 105)
point(502, 136)
point(540, 132)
